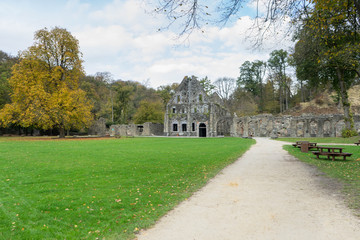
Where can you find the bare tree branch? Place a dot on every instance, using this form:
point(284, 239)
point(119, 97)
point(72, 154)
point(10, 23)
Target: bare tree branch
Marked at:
point(270, 14)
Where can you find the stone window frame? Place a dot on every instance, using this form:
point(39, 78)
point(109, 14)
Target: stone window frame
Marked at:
point(193, 127)
point(173, 109)
point(175, 127)
point(184, 126)
point(140, 128)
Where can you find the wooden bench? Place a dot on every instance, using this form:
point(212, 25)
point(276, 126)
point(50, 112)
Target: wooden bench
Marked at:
point(332, 155)
point(357, 143)
point(331, 152)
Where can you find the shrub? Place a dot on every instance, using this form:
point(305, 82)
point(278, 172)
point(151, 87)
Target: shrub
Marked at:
point(346, 133)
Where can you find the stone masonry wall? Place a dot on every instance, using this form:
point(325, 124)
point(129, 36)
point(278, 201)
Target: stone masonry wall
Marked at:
point(268, 125)
point(146, 129)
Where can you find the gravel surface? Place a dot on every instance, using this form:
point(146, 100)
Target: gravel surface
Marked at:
point(265, 194)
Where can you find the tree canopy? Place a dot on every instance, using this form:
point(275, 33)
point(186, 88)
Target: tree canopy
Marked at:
point(45, 85)
point(328, 48)
point(6, 63)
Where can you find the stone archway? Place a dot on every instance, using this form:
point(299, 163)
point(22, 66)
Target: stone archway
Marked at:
point(202, 130)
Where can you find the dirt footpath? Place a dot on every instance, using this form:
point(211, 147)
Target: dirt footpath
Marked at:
point(266, 194)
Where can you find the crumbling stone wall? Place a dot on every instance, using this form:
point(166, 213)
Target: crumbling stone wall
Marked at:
point(308, 125)
point(146, 129)
point(98, 127)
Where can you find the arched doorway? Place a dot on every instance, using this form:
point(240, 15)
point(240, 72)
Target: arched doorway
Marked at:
point(202, 130)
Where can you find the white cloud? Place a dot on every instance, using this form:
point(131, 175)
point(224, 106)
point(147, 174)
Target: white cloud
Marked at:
point(119, 37)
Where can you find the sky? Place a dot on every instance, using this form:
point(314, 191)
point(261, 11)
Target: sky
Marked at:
point(122, 37)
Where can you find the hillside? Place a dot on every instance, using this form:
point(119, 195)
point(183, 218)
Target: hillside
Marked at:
point(325, 104)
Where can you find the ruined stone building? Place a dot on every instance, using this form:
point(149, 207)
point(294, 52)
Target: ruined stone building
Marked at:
point(191, 112)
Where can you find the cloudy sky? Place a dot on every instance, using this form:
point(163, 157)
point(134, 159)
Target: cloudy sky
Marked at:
point(122, 37)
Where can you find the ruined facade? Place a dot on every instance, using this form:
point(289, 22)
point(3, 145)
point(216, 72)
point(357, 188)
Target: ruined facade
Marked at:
point(307, 125)
point(191, 112)
point(134, 130)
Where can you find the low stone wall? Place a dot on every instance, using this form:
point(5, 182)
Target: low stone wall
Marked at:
point(146, 129)
point(268, 125)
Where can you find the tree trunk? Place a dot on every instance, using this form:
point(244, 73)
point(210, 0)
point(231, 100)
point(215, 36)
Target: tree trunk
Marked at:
point(280, 99)
point(302, 91)
point(62, 132)
point(345, 101)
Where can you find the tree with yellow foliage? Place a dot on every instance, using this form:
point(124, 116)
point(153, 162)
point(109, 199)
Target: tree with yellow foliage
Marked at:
point(45, 85)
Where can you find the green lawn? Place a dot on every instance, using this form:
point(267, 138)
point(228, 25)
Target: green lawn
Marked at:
point(323, 140)
point(71, 189)
point(348, 172)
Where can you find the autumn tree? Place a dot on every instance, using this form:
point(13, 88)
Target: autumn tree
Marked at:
point(45, 85)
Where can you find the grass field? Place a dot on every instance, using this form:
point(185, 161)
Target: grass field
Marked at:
point(71, 189)
point(350, 140)
point(348, 172)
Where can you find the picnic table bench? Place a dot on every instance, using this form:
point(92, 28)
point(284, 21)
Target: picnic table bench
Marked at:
point(332, 152)
point(305, 146)
point(357, 143)
point(298, 143)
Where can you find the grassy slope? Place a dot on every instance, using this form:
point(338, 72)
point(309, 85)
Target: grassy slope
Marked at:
point(102, 188)
point(348, 172)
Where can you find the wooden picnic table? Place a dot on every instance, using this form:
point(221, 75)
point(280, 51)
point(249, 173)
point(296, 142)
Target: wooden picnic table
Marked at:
point(298, 144)
point(305, 145)
point(332, 152)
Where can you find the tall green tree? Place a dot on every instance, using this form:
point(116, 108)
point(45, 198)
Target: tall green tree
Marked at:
point(251, 78)
point(123, 93)
point(45, 85)
point(278, 64)
point(247, 78)
point(331, 32)
point(6, 63)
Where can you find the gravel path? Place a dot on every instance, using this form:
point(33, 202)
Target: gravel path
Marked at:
point(266, 194)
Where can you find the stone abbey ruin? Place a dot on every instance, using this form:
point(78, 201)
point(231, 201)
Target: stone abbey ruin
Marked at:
point(191, 112)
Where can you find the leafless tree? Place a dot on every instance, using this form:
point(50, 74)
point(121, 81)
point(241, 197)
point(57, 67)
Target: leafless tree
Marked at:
point(224, 87)
point(195, 14)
